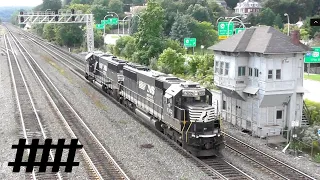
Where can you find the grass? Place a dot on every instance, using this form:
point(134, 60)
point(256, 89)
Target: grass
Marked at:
point(60, 70)
point(317, 158)
point(95, 99)
point(315, 77)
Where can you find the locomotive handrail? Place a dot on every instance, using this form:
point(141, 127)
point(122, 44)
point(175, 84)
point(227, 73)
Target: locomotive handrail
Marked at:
point(187, 131)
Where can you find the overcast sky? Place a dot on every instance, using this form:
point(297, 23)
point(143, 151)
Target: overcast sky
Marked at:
point(20, 2)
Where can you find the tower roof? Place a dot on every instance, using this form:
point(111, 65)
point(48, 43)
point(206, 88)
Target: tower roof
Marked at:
point(265, 40)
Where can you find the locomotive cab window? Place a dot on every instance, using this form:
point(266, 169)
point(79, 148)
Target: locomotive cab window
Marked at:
point(168, 99)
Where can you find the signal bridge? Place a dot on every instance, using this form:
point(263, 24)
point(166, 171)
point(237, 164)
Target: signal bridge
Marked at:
point(61, 17)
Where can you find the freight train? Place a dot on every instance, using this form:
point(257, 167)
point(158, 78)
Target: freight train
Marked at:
point(180, 109)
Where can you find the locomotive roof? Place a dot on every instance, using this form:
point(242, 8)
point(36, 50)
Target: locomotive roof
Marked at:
point(136, 67)
point(167, 78)
point(113, 60)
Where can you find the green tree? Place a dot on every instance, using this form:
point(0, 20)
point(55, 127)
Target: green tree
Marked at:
point(81, 2)
point(101, 2)
point(179, 29)
point(215, 10)
point(134, 24)
point(171, 62)
point(116, 6)
point(14, 18)
point(252, 19)
point(201, 69)
point(66, 2)
point(98, 38)
point(38, 29)
point(315, 8)
point(150, 33)
point(278, 21)
point(123, 46)
point(49, 32)
point(295, 8)
point(205, 34)
point(129, 49)
point(304, 35)
point(199, 12)
point(138, 2)
point(85, 8)
point(51, 4)
point(99, 12)
point(266, 17)
point(175, 45)
point(232, 3)
point(312, 30)
point(70, 35)
point(170, 7)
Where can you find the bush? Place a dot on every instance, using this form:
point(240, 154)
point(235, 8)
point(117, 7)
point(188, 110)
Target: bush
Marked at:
point(317, 158)
point(314, 109)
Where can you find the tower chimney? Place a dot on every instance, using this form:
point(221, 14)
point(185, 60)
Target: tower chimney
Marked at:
point(295, 37)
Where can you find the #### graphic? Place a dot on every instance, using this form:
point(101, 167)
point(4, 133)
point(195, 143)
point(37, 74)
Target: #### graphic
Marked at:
point(44, 163)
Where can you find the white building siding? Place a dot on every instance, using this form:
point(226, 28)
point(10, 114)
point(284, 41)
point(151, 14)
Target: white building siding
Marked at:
point(248, 114)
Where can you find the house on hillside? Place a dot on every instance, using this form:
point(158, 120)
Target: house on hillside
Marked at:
point(260, 74)
point(245, 7)
point(137, 9)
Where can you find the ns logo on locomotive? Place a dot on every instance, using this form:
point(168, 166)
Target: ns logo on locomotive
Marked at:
point(180, 109)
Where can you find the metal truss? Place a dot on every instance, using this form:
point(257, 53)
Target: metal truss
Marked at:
point(41, 17)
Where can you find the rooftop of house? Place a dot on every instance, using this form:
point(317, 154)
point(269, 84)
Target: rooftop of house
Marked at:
point(265, 40)
point(247, 3)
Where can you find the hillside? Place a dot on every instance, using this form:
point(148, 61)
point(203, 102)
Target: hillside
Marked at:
point(6, 12)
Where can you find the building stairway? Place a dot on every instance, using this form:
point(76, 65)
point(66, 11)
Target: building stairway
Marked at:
point(306, 115)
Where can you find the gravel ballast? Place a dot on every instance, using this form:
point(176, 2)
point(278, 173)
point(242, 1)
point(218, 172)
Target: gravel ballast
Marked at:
point(119, 132)
point(10, 126)
point(301, 163)
point(53, 126)
point(244, 165)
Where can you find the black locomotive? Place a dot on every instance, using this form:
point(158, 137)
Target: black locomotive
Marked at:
point(180, 109)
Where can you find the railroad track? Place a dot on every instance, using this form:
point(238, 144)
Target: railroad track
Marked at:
point(268, 163)
point(101, 163)
point(32, 126)
point(216, 168)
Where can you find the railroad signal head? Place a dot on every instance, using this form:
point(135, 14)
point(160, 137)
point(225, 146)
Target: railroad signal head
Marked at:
point(72, 17)
point(21, 18)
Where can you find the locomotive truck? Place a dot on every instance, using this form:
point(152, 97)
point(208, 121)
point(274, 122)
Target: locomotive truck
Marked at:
point(180, 109)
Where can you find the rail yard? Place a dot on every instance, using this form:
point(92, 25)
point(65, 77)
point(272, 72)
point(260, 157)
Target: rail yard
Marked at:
point(47, 89)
